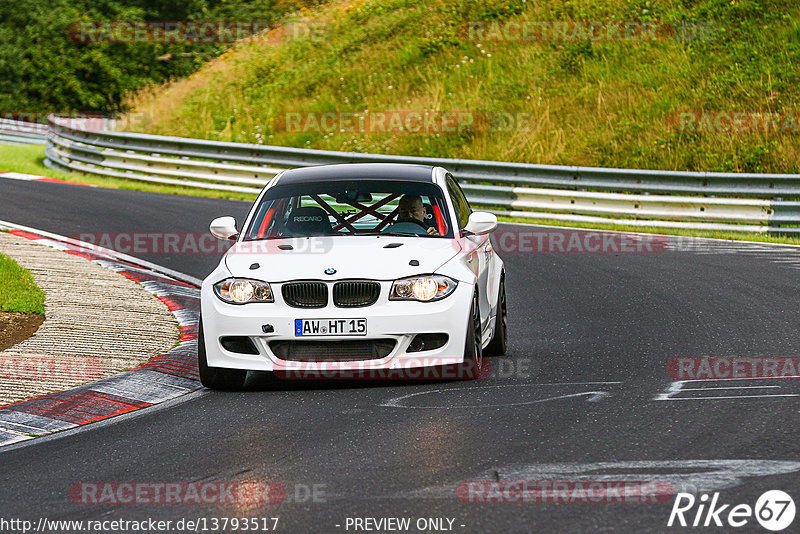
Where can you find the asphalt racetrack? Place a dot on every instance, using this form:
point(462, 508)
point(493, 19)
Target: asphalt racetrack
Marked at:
point(583, 395)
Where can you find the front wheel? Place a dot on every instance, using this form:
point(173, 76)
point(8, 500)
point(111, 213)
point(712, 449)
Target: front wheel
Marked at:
point(216, 377)
point(498, 345)
point(473, 366)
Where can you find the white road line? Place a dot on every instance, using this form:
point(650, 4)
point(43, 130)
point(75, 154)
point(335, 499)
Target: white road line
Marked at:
point(594, 396)
point(731, 397)
point(731, 387)
point(675, 388)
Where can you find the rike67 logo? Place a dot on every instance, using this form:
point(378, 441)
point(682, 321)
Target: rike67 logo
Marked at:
point(774, 510)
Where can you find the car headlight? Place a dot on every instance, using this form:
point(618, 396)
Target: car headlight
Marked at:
point(422, 288)
point(242, 291)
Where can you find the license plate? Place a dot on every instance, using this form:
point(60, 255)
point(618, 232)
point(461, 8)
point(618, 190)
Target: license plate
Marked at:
point(330, 327)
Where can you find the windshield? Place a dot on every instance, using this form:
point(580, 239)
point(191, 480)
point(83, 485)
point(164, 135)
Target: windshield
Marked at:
point(358, 207)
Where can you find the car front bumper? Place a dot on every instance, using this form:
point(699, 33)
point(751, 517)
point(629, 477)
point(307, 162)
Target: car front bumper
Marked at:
point(398, 321)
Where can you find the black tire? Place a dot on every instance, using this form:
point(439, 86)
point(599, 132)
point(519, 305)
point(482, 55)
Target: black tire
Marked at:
point(216, 377)
point(499, 343)
point(473, 366)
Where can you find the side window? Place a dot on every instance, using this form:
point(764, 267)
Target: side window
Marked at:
point(459, 201)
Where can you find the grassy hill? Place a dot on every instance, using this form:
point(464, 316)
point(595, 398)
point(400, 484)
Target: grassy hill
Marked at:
point(605, 102)
point(46, 66)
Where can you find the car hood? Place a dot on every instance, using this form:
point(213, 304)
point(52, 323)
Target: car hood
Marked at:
point(372, 257)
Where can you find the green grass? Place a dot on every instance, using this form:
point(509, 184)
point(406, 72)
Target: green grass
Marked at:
point(29, 159)
point(18, 292)
point(591, 103)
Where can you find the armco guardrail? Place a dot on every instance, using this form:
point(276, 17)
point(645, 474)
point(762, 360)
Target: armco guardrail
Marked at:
point(723, 201)
point(22, 132)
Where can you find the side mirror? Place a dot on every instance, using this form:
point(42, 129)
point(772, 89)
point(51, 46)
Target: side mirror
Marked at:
point(224, 228)
point(480, 223)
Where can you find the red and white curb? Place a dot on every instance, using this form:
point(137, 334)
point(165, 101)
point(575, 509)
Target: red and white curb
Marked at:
point(36, 178)
point(164, 377)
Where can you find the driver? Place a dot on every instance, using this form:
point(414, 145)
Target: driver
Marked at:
point(410, 209)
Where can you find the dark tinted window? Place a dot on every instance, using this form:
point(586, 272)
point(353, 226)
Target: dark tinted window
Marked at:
point(459, 201)
point(347, 208)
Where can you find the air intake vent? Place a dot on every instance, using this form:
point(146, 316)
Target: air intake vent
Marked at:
point(239, 344)
point(339, 350)
point(355, 293)
point(305, 294)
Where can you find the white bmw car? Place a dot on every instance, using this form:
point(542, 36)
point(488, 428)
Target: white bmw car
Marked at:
point(354, 270)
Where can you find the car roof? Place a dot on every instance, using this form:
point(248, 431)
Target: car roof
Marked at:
point(358, 171)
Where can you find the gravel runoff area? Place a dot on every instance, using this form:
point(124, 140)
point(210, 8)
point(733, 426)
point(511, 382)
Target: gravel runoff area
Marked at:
point(97, 324)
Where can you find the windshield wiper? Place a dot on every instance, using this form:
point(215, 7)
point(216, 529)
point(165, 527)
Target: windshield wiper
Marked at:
point(400, 234)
